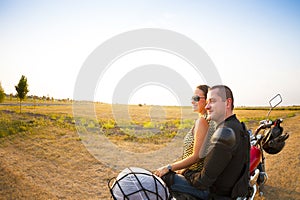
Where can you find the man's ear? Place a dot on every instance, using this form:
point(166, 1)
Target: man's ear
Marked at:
point(228, 103)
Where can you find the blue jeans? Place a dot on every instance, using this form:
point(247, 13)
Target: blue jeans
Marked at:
point(182, 185)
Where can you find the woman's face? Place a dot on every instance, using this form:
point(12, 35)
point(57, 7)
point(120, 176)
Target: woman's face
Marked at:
point(198, 101)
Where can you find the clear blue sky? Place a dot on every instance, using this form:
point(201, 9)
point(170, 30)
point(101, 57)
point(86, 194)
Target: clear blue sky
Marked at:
point(254, 44)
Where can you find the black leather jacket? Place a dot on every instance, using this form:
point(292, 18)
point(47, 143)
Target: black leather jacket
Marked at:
point(225, 161)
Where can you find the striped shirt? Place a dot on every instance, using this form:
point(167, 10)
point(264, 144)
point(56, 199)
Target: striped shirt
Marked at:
point(189, 145)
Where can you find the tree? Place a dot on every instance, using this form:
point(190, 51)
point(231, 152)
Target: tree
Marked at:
point(2, 94)
point(22, 89)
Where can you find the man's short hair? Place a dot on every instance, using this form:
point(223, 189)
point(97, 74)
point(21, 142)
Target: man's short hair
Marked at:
point(225, 93)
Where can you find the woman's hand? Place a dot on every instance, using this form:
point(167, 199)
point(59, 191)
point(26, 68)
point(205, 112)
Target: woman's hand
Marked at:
point(161, 171)
point(181, 171)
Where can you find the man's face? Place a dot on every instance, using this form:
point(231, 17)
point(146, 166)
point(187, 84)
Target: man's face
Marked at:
point(216, 108)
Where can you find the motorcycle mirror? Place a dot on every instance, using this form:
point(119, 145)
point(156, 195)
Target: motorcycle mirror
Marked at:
point(275, 101)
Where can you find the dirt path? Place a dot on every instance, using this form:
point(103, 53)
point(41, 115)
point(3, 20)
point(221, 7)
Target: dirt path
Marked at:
point(56, 165)
point(284, 168)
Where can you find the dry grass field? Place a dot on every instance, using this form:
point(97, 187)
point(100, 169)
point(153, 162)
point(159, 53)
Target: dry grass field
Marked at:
point(43, 157)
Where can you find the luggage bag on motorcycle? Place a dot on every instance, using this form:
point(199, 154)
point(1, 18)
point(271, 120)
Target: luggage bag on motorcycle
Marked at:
point(275, 140)
point(135, 183)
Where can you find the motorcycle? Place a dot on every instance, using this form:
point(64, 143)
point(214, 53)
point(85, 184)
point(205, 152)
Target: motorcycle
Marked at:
point(269, 138)
point(137, 183)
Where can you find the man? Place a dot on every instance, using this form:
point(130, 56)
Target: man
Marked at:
point(225, 174)
point(226, 167)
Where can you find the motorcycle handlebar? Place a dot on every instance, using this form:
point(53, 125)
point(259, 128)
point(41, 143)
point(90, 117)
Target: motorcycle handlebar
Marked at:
point(264, 124)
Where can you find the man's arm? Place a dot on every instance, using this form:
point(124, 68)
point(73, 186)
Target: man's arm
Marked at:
point(220, 154)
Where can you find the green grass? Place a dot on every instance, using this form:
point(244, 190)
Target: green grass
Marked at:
point(292, 108)
point(12, 122)
point(141, 129)
point(10, 126)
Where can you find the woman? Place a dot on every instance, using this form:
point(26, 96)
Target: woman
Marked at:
point(196, 141)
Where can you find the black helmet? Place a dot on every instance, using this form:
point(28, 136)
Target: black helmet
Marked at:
point(276, 141)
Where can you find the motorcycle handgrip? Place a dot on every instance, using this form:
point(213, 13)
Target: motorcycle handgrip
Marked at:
point(263, 125)
point(258, 129)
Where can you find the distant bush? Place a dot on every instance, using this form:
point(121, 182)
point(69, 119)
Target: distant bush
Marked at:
point(186, 124)
point(107, 124)
point(149, 125)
